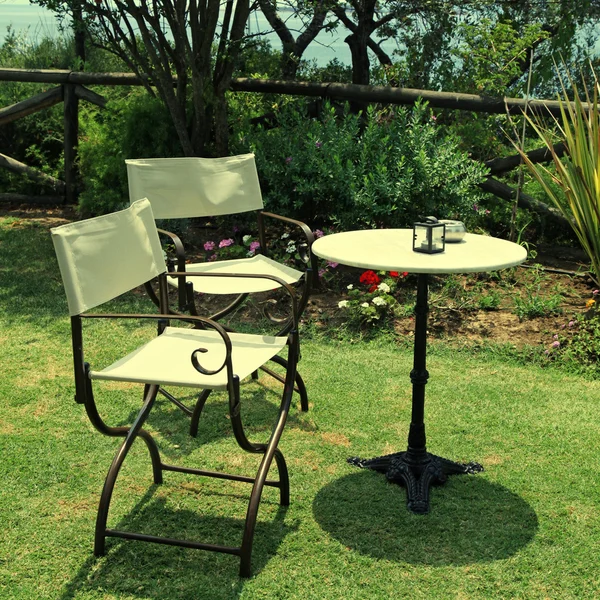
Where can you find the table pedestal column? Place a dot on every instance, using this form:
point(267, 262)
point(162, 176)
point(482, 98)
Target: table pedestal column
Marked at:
point(417, 469)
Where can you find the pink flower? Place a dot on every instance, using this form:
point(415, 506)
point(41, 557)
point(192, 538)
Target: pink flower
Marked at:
point(333, 265)
point(571, 323)
point(318, 144)
point(225, 243)
point(208, 246)
point(556, 344)
point(318, 233)
point(254, 246)
point(288, 160)
point(321, 272)
point(595, 292)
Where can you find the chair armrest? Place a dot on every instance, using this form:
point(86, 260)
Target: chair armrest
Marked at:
point(179, 249)
point(306, 255)
point(281, 282)
point(187, 318)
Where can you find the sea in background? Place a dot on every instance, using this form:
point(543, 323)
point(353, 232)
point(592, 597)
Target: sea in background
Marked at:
point(34, 23)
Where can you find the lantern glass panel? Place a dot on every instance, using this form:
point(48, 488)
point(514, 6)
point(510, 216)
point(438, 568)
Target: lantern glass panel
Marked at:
point(437, 241)
point(428, 237)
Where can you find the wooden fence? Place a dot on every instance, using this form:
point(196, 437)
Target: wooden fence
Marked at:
point(71, 88)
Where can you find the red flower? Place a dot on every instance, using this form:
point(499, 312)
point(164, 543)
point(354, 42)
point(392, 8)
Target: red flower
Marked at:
point(405, 274)
point(394, 274)
point(370, 278)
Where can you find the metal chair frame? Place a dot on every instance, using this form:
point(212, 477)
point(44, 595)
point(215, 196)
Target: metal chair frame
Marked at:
point(270, 451)
point(187, 304)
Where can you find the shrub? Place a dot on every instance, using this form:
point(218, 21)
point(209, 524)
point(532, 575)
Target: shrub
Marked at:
point(136, 126)
point(386, 169)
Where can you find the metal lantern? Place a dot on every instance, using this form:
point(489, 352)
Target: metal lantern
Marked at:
point(429, 237)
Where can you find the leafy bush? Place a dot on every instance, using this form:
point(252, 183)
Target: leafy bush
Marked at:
point(387, 169)
point(136, 126)
point(36, 139)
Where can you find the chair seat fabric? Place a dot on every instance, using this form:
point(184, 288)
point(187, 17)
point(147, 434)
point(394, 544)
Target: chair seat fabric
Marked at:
point(166, 360)
point(259, 265)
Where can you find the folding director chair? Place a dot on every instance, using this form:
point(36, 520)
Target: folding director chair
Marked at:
point(104, 257)
point(208, 187)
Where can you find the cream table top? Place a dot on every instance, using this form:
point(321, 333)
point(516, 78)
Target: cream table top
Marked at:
point(391, 250)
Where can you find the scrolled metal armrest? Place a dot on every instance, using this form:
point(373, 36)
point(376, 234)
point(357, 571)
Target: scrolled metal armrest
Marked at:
point(304, 250)
point(308, 234)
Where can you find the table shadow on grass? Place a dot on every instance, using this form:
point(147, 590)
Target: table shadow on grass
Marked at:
point(147, 570)
point(471, 520)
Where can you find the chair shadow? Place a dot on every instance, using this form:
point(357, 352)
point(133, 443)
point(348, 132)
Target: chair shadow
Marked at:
point(148, 570)
point(260, 408)
point(471, 520)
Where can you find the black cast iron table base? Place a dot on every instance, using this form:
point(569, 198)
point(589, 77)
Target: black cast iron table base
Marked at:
point(416, 469)
point(416, 475)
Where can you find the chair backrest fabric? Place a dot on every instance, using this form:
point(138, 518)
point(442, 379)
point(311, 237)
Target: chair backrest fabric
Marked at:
point(104, 257)
point(187, 187)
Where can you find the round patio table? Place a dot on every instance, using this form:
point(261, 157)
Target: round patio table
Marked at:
point(391, 250)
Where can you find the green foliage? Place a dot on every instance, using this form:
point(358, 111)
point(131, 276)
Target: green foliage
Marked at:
point(575, 187)
point(36, 139)
point(386, 169)
point(531, 302)
point(492, 53)
point(371, 305)
point(576, 344)
point(136, 126)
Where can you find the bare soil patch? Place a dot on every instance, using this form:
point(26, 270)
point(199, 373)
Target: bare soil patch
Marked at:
point(562, 273)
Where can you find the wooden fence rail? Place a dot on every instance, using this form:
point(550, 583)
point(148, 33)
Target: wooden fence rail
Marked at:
point(71, 89)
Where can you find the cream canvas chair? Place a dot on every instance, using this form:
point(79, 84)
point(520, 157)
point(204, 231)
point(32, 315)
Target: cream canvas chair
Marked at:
point(207, 187)
point(104, 257)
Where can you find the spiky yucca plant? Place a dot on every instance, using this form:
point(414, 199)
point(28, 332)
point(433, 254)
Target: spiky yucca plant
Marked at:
point(577, 171)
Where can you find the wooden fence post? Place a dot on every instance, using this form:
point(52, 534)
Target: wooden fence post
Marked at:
point(71, 118)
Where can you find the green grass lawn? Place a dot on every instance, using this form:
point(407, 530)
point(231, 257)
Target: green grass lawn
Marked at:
point(528, 527)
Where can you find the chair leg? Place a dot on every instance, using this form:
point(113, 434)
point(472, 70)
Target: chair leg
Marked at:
point(198, 411)
point(252, 513)
point(270, 451)
point(300, 387)
point(111, 478)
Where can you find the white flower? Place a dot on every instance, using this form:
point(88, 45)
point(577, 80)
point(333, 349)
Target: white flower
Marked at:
point(250, 253)
point(291, 248)
point(343, 304)
point(246, 239)
point(365, 305)
point(350, 287)
point(383, 287)
point(284, 236)
point(379, 301)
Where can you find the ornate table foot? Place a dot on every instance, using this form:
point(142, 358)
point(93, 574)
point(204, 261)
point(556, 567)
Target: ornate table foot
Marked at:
point(416, 474)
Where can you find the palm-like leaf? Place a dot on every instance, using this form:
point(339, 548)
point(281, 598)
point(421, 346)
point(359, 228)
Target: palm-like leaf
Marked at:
point(577, 172)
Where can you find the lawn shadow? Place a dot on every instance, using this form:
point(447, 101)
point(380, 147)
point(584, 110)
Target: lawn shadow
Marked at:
point(30, 282)
point(260, 409)
point(471, 520)
point(147, 570)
